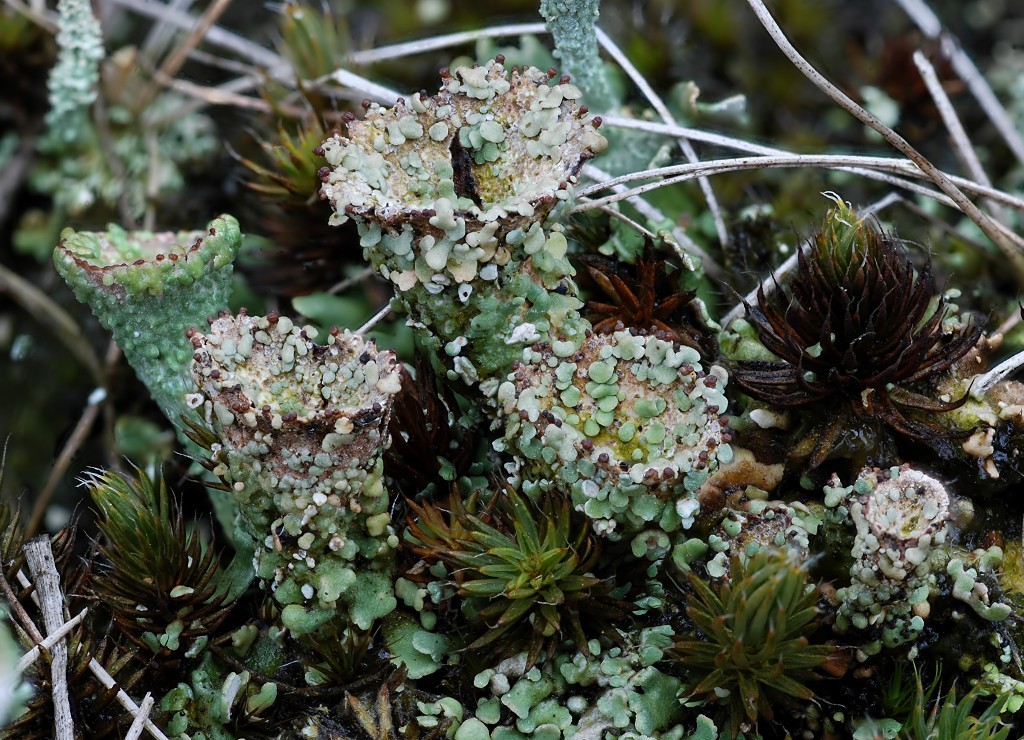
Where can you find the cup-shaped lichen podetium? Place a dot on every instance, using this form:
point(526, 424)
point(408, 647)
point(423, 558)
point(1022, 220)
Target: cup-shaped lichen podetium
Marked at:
point(902, 517)
point(148, 289)
point(450, 194)
point(302, 431)
point(630, 425)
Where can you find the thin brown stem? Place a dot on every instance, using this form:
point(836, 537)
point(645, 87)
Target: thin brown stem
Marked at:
point(962, 146)
point(1009, 244)
point(173, 62)
point(74, 442)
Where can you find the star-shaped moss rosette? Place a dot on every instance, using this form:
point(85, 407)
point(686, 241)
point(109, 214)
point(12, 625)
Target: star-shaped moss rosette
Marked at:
point(451, 194)
point(630, 425)
point(148, 289)
point(302, 430)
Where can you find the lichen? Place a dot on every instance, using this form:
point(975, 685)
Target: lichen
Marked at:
point(630, 425)
point(302, 431)
point(74, 79)
point(148, 289)
point(451, 194)
point(573, 26)
point(901, 517)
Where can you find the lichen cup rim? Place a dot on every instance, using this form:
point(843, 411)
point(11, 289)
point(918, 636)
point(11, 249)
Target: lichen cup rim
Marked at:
point(161, 257)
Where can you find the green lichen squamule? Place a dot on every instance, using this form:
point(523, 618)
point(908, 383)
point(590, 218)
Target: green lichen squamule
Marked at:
point(302, 430)
point(148, 289)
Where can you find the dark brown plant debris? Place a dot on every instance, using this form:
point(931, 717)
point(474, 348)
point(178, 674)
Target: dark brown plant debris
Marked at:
point(858, 330)
point(430, 446)
point(645, 297)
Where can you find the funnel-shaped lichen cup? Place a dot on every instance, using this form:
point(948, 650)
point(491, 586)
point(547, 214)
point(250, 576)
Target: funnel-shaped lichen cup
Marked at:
point(148, 289)
point(302, 430)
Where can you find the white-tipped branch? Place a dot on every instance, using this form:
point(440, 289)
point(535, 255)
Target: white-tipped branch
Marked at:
point(411, 48)
point(33, 655)
point(39, 558)
point(126, 701)
point(981, 384)
point(962, 146)
point(139, 724)
point(374, 320)
point(683, 172)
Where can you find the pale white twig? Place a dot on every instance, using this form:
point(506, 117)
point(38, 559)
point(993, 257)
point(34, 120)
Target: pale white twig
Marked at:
point(372, 90)
point(39, 558)
point(966, 70)
point(228, 93)
point(962, 146)
point(36, 13)
point(648, 211)
point(1011, 321)
point(620, 216)
point(421, 46)
point(696, 134)
point(276, 65)
point(139, 724)
point(25, 583)
point(174, 61)
point(879, 205)
point(126, 701)
point(33, 655)
point(215, 35)
point(1009, 245)
point(161, 34)
point(374, 320)
point(981, 384)
point(741, 145)
point(350, 281)
point(683, 172)
point(662, 110)
point(218, 95)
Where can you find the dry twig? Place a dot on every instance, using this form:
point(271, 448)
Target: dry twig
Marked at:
point(962, 146)
point(1009, 243)
point(81, 431)
point(39, 558)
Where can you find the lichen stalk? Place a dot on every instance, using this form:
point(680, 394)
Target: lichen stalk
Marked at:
point(74, 80)
point(572, 24)
point(302, 430)
point(902, 520)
